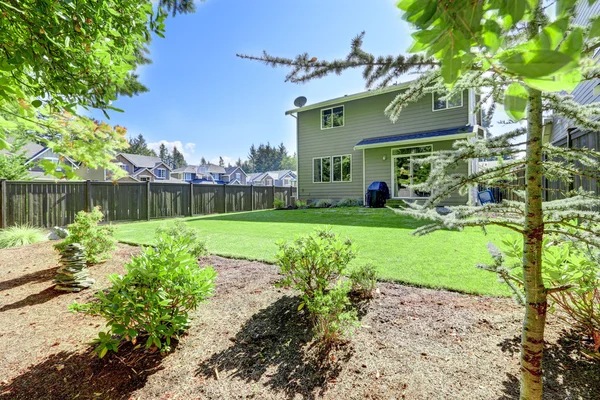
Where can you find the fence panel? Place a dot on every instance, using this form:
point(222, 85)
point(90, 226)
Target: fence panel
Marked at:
point(209, 199)
point(238, 198)
point(284, 194)
point(43, 204)
point(169, 200)
point(263, 197)
point(120, 202)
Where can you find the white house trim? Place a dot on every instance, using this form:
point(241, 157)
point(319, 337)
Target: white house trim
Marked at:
point(416, 141)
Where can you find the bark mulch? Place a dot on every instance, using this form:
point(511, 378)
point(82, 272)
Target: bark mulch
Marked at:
point(250, 341)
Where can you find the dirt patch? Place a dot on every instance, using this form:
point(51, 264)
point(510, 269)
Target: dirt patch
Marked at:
point(250, 341)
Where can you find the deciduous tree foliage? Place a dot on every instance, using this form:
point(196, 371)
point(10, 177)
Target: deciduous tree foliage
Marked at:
point(56, 56)
point(514, 53)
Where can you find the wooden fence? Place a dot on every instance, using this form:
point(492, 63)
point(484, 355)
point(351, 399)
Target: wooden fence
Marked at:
point(48, 204)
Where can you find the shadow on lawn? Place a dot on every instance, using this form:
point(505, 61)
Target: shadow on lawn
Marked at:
point(356, 216)
point(275, 344)
point(567, 374)
point(34, 277)
point(69, 375)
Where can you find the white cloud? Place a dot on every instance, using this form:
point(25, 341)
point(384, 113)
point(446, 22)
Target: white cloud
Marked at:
point(187, 149)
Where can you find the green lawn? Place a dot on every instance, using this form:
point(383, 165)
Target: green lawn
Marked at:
point(442, 259)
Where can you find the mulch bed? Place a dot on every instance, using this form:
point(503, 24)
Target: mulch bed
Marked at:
point(249, 341)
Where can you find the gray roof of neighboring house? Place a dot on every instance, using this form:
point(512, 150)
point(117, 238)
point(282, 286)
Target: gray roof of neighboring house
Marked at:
point(231, 170)
point(280, 173)
point(187, 168)
point(29, 150)
point(143, 161)
point(135, 174)
point(211, 168)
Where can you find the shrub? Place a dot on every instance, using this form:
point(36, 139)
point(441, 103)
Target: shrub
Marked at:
point(196, 245)
point(364, 280)
point(572, 273)
point(278, 204)
point(311, 264)
point(323, 203)
point(154, 298)
point(96, 239)
point(22, 235)
point(301, 204)
point(333, 317)
point(349, 202)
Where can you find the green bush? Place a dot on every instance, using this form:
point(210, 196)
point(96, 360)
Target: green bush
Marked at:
point(301, 204)
point(97, 240)
point(364, 280)
point(334, 319)
point(571, 268)
point(153, 300)
point(278, 204)
point(312, 264)
point(196, 244)
point(21, 235)
point(349, 202)
point(323, 203)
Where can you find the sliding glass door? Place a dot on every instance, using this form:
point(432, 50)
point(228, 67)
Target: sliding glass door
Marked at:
point(406, 173)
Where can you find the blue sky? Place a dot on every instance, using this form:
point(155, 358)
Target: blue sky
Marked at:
point(206, 100)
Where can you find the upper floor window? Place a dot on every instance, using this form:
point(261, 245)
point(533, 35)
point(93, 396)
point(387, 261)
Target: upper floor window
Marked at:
point(442, 103)
point(269, 182)
point(332, 117)
point(187, 176)
point(125, 167)
point(161, 173)
point(238, 176)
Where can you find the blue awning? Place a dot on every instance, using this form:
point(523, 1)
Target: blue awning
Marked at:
point(441, 134)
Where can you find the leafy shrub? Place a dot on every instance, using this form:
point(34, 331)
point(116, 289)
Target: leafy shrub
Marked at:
point(333, 317)
point(349, 202)
point(301, 204)
point(572, 273)
point(154, 298)
point(278, 204)
point(311, 264)
point(364, 280)
point(22, 235)
point(196, 245)
point(323, 203)
point(96, 239)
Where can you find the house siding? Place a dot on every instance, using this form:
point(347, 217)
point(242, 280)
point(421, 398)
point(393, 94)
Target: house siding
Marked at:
point(584, 92)
point(364, 118)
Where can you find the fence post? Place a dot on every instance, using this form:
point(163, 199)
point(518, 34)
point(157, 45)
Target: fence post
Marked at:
point(4, 204)
point(148, 200)
point(252, 195)
point(88, 196)
point(225, 199)
point(273, 190)
point(191, 199)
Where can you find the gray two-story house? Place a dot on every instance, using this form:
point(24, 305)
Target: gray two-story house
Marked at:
point(344, 144)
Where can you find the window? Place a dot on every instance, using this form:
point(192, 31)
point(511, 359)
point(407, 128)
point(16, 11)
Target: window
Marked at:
point(187, 176)
point(125, 167)
point(332, 117)
point(342, 168)
point(145, 178)
point(408, 173)
point(161, 173)
point(286, 182)
point(238, 176)
point(322, 169)
point(440, 103)
point(269, 182)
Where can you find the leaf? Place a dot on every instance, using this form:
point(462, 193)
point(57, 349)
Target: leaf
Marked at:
point(515, 101)
point(451, 65)
point(564, 6)
point(597, 90)
point(36, 103)
point(573, 44)
point(535, 63)
point(300, 306)
point(594, 28)
point(103, 352)
point(567, 81)
point(514, 8)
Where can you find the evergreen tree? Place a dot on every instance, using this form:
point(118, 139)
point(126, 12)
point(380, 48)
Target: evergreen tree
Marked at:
point(163, 153)
point(516, 54)
point(177, 159)
point(221, 162)
point(138, 145)
point(203, 161)
point(12, 165)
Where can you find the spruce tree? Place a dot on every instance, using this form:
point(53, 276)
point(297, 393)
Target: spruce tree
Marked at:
point(515, 54)
point(177, 159)
point(221, 162)
point(138, 145)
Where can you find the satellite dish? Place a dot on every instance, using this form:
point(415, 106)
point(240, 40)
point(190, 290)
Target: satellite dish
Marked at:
point(300, 101)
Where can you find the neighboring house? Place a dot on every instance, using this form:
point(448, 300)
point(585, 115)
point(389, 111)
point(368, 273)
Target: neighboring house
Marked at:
point(35, 153)
point(139, 169)
point(346, 143)
point(189, 173)
point(235, 176)
point(285, 177)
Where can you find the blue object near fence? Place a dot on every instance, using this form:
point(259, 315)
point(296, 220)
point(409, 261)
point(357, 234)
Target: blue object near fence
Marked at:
point(486, 196)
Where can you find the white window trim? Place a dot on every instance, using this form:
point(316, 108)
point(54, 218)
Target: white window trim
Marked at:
point(158, 175)
point(462, 102)
point(331, 168)
point(393, 166)
point(331, 108)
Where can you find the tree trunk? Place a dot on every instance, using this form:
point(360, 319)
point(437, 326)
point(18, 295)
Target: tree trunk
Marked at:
point(532, 339)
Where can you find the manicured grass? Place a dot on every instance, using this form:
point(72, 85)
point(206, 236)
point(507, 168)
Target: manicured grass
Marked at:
point(443, 259)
